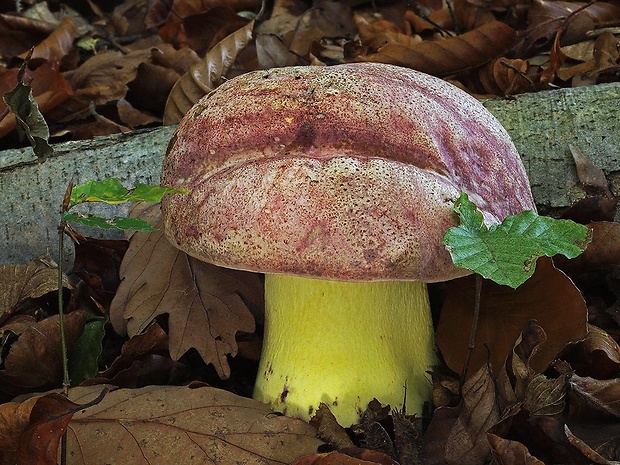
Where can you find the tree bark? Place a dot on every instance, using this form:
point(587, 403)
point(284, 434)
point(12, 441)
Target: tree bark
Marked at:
point(542, 126)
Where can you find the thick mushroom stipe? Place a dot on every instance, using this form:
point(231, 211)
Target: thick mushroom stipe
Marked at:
point(346, 173)
point(358, 353)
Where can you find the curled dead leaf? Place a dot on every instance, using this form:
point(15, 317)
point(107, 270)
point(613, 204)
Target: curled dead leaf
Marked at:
point(55, 47)
point(34, 360)
point(206, 74)
point(508, 452)
point(450, 55)
point(14, 419)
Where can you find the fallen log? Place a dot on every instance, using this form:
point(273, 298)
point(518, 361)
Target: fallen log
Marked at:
point(542, 126)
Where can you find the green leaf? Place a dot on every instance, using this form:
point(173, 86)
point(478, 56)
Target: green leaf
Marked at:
point(118, 222)
point(85, 352)
point(111, 191)
point(506, 253)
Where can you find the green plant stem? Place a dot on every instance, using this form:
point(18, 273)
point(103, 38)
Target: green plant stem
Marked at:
point(474, 327)
point(63, 339)
point(61, 313)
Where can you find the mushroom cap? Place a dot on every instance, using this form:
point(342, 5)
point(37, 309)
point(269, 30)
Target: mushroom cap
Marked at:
point(347, 172)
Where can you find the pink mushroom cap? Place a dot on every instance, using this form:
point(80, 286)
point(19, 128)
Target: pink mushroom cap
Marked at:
point(347, 172)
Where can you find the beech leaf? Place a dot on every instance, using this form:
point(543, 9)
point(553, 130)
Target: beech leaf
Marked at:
point(205, 303)
point(111, 191)
point(159, 425)
point(549, 297)
point(205, 75)
point(507, 253)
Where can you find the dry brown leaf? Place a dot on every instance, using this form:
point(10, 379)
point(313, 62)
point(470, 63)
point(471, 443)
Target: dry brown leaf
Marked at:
point(588, 453)
point(598, 355)
point(19, 283)
point(185, 8)
point(204, 303)
point(505, 77)
point(272, 53)
point(49, 88)
point(548, 297)
point(602, 252)
point(594, 398)
point(507, 452)
point(151, 86)
point(379, 33)
point(452, 54)
point(35, 359)
point(467, 442)
point(133, 117)
point(14, 419)
point(138, 355)
point(109, 72)
point(545, 396)
point(333, 20)
point(205, 75)
point(55, 47)
point(458, 434)
point(204, 30)
point(547, 17)
point(348, 456)
point(179, 60)
point(160, 425)
point(50, 415)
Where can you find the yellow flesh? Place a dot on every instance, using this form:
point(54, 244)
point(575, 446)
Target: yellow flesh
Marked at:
point(344, 343)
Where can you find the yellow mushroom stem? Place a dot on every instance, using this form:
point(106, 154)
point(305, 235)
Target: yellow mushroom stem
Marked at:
point(345, 343)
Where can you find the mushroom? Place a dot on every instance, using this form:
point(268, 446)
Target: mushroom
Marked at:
point(338, 183)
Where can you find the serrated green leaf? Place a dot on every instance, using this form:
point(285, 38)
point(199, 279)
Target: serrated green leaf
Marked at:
point(111, 191)
point(118, 222)
point(506, 253)
point(85, 352)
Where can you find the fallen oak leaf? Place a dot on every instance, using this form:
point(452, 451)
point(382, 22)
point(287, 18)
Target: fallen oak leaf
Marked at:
point(205, 303)
point(159, 425)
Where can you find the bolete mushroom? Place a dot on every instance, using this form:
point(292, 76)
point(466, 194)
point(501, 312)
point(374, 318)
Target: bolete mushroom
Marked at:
point(338, 183)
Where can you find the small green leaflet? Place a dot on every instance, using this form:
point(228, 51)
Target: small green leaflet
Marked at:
point(111, 191)
point(506, 253)
point(118, 222)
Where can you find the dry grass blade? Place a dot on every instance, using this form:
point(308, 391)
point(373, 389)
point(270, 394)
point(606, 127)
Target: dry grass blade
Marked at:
point(206, 74)
point(450, 55)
